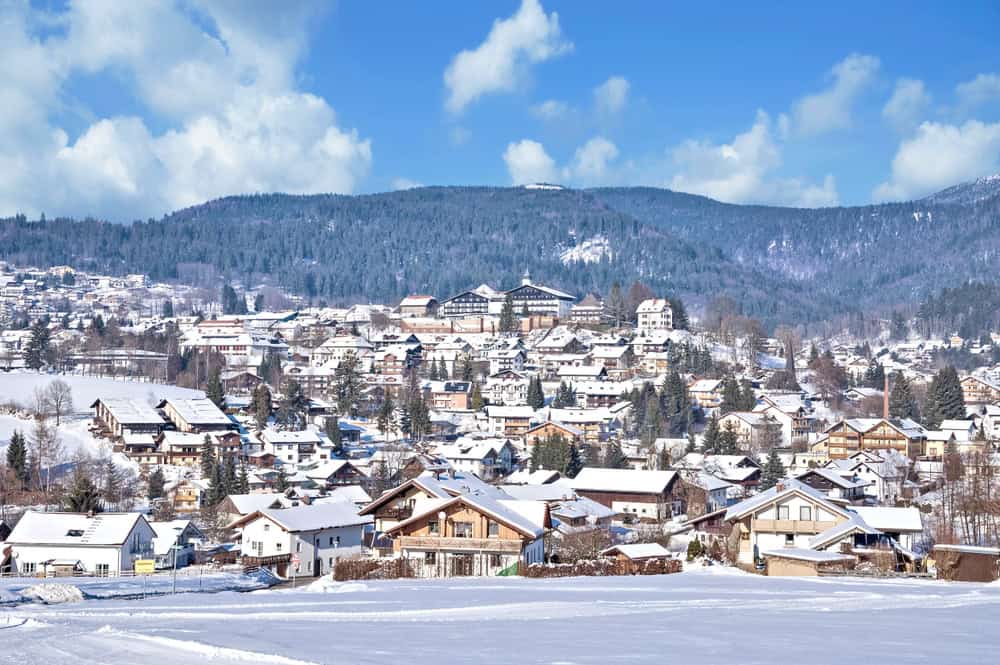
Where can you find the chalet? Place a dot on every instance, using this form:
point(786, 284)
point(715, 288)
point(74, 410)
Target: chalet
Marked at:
point(506, 359)
point(654, 314)
point(292, 446)
point(185, 495)
point(181, 448)
point(418, 306)
point(472, 534)
point(699, 493)
point(752, 429)
point(590, 311)
point(575, 373)
point(615, 359)
point(239, 381)
point(794, 414)
point(448, 395)
point(885, 471)
point(550, 428)
point(596, 424)
point(632, 556)
point(395, 360)
point(481, 301)
point(118, 417)
point(538, 299)
point(301, 541)
point(707, 393)
point(509, 421)
point(334, 473)
point(335, 349)
point(597, 394)
point(642, 495)
point(63, 543)
point(709, 527)
point(488, 459)
point(142, 449)
point(507, 388)
point(196, 416)
point(980, 391)
point(834, 485)
point(854, 434)
point(174, 543)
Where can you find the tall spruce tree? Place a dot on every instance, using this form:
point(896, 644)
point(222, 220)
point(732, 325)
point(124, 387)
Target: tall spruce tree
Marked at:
point(536, 398)
point(945, 398)
point(332, 429)
point(773, 471)
point(37, 352)
point(710, 437)
point(155, 485)
point(17, 458)
point(262, 406)
point(902, 403)
point(679, 312)
point(347, 385)
point(214, 391)
point(83, 495)
point(575, 462)
point(208, 462)
point(614, 457)
point(508, 322)
point(728, 440)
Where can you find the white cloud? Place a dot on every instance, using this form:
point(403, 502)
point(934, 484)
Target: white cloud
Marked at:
point(980, 90)
point(405, 183)
point(742, 171)
point(550, 109)
point(908, 102)
point(612, 95)
point(502, 62)
point(234, 121)
point(591, 162)
point(527, 162)
point(941, 155)
point(831, 108)
point(459, 135)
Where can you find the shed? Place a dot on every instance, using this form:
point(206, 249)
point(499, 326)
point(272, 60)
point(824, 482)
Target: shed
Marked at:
point(802, 562)
point(967, 563)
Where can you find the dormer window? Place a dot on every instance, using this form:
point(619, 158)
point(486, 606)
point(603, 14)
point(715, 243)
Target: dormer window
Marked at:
point(75, 533)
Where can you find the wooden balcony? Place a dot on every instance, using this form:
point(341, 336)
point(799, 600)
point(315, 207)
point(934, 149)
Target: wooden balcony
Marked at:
point(792, 526)
point(399, 513)
point(471, 544)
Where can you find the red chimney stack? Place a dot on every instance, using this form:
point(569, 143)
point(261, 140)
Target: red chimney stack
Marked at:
point(885, 399)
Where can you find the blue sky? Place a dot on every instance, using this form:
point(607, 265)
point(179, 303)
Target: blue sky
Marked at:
point(129, 110)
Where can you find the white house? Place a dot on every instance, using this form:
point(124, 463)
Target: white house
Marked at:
point(301, 541)
point(292, 446)
point(101, 544)
point(488, 458)
point(654, 314)
point(175, 539)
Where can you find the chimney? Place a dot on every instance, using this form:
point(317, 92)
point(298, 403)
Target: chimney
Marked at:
point(780, 487)
point(885, 399)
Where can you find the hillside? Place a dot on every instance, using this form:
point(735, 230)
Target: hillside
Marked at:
point(784, 265)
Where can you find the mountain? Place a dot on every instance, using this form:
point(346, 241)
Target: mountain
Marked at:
point(968, 193)
point(780, 264)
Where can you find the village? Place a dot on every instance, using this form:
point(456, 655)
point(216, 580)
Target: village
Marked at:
point(519, 432)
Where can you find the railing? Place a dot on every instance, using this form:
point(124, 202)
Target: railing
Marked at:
point(792, 526)
point(400, 513)
point(436, 543)
point(187, 571)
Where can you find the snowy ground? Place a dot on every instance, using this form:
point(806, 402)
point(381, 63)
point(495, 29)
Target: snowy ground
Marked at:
point(708, 616)
point(18, 386)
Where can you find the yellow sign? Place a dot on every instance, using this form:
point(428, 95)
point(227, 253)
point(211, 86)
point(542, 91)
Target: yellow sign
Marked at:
point(144, 566)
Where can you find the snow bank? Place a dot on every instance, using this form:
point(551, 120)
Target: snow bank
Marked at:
point(328, 585)
point(18, 386)
point(52, 594)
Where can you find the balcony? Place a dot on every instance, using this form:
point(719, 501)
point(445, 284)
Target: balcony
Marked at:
point(436, 543)
point(792, 526)
point(399, 513)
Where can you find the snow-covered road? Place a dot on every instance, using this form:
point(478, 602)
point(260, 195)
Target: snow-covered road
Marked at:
point(714, 616)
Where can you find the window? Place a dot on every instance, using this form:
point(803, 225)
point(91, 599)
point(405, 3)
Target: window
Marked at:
point(805, 513)
point(493, 529)
point(277, 546)
point(783, 513)
point(463, 529)
point(298, 546)
point(331, 563)
point(75, 533)
point(789, 540)
point(267, 527)
point(496, 561)
point(27, 567)
point(102, 569)
point(432, 528)
point(430, 557)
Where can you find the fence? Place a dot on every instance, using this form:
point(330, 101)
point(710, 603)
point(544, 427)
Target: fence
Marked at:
point(188, 571)
point(347, 570)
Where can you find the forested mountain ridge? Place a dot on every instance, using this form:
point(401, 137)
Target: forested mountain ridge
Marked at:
point(782, 265)
point(872, 255)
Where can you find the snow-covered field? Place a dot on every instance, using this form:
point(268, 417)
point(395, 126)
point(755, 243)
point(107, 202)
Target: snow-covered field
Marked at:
point(705, 616)
point(18, 386)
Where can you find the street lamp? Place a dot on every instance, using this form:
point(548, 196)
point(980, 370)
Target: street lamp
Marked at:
point(173, 551)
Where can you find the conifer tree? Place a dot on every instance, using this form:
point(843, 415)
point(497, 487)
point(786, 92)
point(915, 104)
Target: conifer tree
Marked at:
point(384, 417)
point(476, 398)
point(295, 405)
point(945, 399)
point(155, 485)
point(710, 437)
point(17, 458)
point(37, 352)
point(433, 374)
point(536, 398)
point(208, 462)
point(242, 481)
point(731, 397)
point(262, 407)
point(773, 471)
point(83, 495)
point(214, 391)
point(728, 440)
point(508, 322)
point(111, 490)
point(902, 403)
point(347, 385)
point(614, 457)
point(679, 314)
point(332, 429)
point(575, 462)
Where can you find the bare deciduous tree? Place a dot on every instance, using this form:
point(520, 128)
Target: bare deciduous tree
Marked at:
point(59, 399)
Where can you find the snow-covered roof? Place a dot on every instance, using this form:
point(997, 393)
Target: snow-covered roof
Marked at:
point(891, 518)
point(623, 480)
point(130, 411)
point(324, 515)
point(835, 478)
point(787, 486)
point(198, 411)
point(73, 529)
point(969, 549)
point(638, 550)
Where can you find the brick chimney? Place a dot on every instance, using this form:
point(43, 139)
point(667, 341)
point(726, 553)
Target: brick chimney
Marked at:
point(885, 399)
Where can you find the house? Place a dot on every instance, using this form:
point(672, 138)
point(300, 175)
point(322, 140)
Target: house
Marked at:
point(979, 391)
point(448, 395)
point(654, 314)
point(418, 305)
point(707, 393)
point(508, 421)
point(701, 493)
point(615, 359)
point(239, 381)
point(590, 310)
point(754, 430)
point(174, 543)
point(292, 446)
point(480, 301)
point(853, 434)
point(834, 484)
point(598, 394)
point(790, 514)
point(101, 544)
point(487, 459)
point(118, 417)
point(334, 473)
point(302, 541)
point(794, 414)
point(472, 534)
point(196, 416)
point(507, 388)
point(333, 351)
point(641, 495)
point(538, 299)
point(885, 471)
point(903, 525)
point(542, 431)
point(575, 373)
point(506, 359)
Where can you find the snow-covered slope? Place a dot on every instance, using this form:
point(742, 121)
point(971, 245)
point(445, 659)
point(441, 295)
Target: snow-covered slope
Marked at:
point(18, 386)
point(968, 192)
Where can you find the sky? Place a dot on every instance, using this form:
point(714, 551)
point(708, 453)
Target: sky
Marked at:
point(128, 110)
